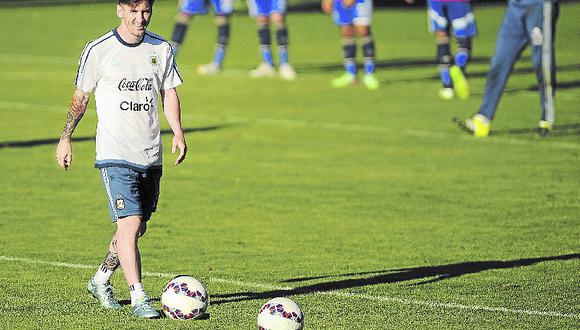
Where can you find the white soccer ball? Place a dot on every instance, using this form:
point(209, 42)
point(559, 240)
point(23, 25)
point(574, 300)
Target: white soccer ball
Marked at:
point(184, 298)
point(280, 314)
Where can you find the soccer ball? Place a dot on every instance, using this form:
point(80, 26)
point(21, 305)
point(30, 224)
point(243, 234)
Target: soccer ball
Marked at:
point(280, 314)
point(184, 298)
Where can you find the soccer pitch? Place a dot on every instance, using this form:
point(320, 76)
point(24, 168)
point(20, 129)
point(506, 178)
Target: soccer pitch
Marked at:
point(370, 209)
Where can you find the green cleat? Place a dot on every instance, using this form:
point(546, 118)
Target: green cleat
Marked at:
point(459, 82)
point(479, 125)
point(345, 80)
point(371, 81)
point(103, 293)
point(142, 309)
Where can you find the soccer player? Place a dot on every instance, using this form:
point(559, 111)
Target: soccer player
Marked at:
point(525, 22)
point(445, 16)
point(354, 18)
point(266, 12)
point(223, 10)
point(127, 68)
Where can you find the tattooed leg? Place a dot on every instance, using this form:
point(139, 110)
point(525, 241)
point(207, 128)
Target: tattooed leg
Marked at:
point(109, 264)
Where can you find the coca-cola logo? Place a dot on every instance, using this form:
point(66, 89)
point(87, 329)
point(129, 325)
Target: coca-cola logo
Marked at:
point(141, 84)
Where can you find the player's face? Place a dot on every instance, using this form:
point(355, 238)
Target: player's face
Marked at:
point(135, 18)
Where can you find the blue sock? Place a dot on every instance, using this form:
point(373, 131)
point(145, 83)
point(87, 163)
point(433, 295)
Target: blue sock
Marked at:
point(350, 66)
point(461, 59)
point(445, 76)
point(283, 54)
point(266, 54)
point(369, 66)
point(218, 57)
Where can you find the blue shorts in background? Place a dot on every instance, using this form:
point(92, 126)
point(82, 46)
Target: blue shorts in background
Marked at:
point(444, 15)
point(360, 13)
point(199, 7)
point(266, 7)
point(131, 192)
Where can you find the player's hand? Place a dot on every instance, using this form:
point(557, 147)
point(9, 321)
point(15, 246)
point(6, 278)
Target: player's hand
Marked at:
point(179, 143)
point(326, 6)
point(348, 3)
point(64, 153)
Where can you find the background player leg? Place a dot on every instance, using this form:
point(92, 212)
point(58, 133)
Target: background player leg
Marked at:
point(179, 30)
point(444, 59)
point(266, 68)
point(541, 28)
point(511, 40)
point(349, 53)
point(223, 36)
point(457, 71)
point(368, 49)
point(285, 70)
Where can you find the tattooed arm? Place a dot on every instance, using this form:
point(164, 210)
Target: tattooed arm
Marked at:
point(76, 110)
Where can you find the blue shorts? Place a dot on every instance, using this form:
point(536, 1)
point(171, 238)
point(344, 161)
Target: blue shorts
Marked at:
point(266, 7)
point(360, 13)
point(459, 14)
point(199, 7)
point(131, 192)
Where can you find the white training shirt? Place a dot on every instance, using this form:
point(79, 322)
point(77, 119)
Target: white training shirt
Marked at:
point(127, 79)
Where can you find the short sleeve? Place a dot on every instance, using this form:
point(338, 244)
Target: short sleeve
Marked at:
point(172, 77)
point(88, 71)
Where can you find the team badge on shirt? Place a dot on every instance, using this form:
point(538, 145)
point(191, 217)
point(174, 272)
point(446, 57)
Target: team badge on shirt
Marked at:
point(120, 203)
point(153, 59)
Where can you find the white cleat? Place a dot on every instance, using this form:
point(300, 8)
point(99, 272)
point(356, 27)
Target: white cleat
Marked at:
point(286, 72)
point(446, 93)
point(263, 70)
point(210, 69)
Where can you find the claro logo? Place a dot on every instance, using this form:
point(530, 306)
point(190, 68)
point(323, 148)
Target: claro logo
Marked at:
point(141, 84)
point(136, 106)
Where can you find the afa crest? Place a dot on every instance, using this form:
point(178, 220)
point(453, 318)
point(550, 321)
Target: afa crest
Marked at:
point(120, 203)
point(153, 59)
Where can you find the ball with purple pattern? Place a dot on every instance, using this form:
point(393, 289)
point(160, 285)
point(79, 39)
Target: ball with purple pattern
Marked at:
point(280, 314)
point(184, 298)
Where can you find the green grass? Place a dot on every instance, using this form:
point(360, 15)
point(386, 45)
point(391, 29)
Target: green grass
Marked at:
point(338, 191)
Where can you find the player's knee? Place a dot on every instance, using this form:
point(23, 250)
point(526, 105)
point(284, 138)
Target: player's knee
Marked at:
point(277, 19)
point(348, 47)
point(282, 36)
point(183, 18)
point(128, 227)
point(368, 46)
point(264, 35)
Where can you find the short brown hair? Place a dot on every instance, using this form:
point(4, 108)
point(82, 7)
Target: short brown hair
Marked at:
point(134, 2)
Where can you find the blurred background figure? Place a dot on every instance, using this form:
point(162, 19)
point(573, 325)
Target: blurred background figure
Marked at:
point(266, 12)
point(457, 16)
point(223, 10)
point(354, 17)
point(525, 22)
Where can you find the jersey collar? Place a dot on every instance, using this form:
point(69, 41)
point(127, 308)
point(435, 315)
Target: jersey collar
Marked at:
point(126, 43)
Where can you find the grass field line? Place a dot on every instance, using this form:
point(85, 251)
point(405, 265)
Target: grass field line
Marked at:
point(404, 301)
point(332, 126)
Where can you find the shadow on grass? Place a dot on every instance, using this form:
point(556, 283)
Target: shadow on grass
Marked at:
point(41, 142)
point(423, 275)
